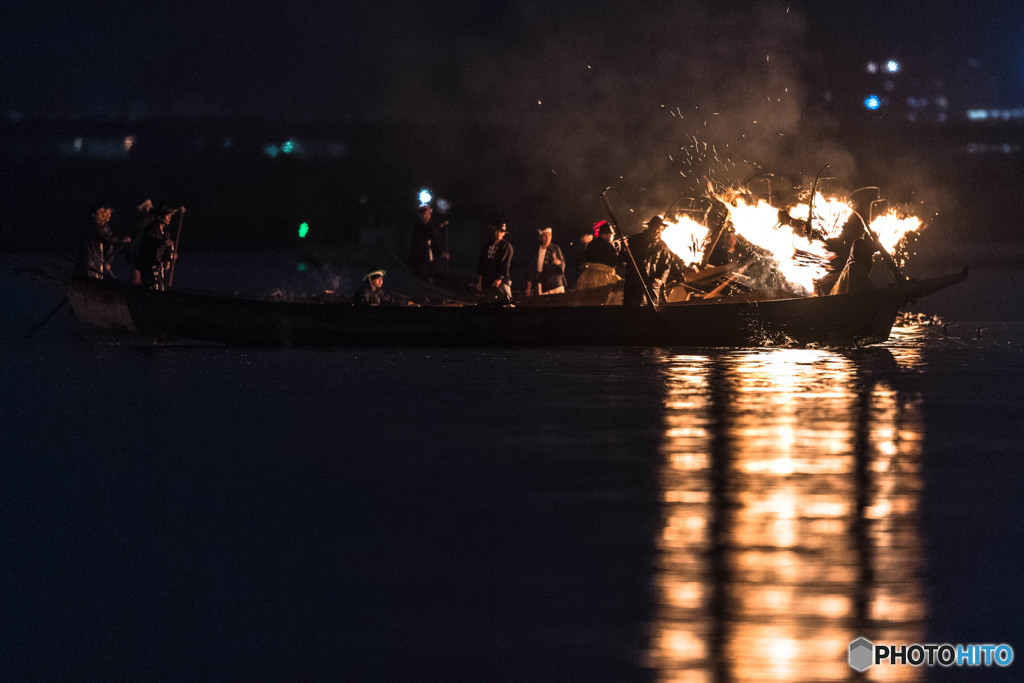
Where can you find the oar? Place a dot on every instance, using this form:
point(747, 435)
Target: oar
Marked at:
point(625, 245)
point(177, 238)
point(45, 320)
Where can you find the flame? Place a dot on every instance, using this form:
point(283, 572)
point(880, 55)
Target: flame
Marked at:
point(797, 259)
point(830, 214)
point(891, 228)
point(686, 238)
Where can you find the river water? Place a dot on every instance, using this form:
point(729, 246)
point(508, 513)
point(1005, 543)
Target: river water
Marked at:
point(174, 511)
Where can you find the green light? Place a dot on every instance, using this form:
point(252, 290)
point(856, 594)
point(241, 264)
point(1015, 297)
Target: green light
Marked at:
point(301, 267)
point(303, 229)
point(288, 147)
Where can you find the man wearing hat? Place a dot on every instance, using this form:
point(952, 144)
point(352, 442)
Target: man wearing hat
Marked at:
point(156, 249)
point(371, 292)
point(600, 259)
point(547, 267)
point(492, 268)
point(427, 254)
point(95, 248)
point(653, 259)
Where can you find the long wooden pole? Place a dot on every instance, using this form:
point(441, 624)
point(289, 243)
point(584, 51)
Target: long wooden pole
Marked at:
point(625, 245)
point(177, 238)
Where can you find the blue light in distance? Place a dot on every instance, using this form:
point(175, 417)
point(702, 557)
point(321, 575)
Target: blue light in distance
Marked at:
point(872, 102)
point(892, 66)
point(425, 197)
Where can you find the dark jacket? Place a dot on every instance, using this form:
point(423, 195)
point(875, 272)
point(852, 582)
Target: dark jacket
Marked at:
point(368, 296)
point(93, 250)
point(549, 276)
point(654, 260)
point(494, 262)
point(601, 251)
point(156, 251)
point(426, 247)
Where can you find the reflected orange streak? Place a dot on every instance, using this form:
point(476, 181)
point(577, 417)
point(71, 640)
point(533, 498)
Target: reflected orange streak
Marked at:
point(784, 577)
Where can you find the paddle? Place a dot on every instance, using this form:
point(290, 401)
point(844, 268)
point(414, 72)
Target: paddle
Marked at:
point(45, 320)
point(625, 245)
point(177, 238)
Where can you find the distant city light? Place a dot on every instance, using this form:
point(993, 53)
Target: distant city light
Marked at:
point(425, 197)
point(443, 204)
point(997, 114)
point(271, 150)
point(892, 66)
point(872, 102)
point(872, 67)
point(303, 229)
point(129, 142)
point(288, 147)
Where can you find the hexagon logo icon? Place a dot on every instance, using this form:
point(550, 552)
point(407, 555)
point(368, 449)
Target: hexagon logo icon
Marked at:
point(862, 654)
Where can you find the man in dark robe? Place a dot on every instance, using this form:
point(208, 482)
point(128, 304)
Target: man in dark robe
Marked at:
point(653, 259)
point(157, 251)
point(96, 247)
point(492, 267)
point(427, 253)
point(856, 275)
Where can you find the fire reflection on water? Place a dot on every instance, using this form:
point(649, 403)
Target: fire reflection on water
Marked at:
point(791, 486)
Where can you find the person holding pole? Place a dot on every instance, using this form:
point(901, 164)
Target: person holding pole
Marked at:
point(653, 265)
point(157, 250)
point(96, 245)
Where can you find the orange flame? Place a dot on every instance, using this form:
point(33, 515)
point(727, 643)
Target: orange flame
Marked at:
point(829, 214)
point(686, 238)
point(891, 228)
point(797, 259)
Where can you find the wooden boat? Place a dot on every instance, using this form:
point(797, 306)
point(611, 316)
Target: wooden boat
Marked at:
point(841, 320)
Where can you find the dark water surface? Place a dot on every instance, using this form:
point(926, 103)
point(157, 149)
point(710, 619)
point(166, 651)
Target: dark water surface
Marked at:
point(172, 511)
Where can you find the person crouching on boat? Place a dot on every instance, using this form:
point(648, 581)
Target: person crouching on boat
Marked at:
point(492, 268)
point(548, 276)
point(856, 275)
point(599, 260)
point(371, 293)
point(156, 250)
point(96, 247)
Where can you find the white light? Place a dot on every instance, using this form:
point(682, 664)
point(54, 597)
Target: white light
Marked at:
point(425, 197)
point(872, 68)
point(892, 66)
point(977, 114)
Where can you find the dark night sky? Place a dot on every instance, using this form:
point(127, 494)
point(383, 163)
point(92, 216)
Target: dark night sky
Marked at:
point(408, 57)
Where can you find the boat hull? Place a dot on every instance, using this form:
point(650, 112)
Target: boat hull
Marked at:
point(842, 320)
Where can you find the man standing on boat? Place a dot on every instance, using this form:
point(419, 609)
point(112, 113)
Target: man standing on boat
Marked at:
point(157, 251)
point(600, 259)
point(95, 249)
point(653, 259)
point(492, 268)
point(547, 267)
point(856, 275)
point(427, 252)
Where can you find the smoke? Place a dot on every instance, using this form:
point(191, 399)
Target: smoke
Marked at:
point(656, 103)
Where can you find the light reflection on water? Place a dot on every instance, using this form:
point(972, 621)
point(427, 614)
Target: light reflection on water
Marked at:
point(791, 482)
